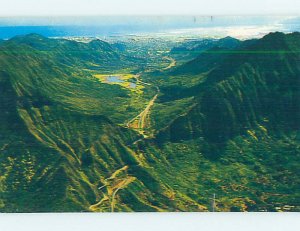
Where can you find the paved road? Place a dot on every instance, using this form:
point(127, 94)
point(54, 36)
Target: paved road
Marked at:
point(172, 63)
point(139, 122)
point(142, 117)
point(113, 189)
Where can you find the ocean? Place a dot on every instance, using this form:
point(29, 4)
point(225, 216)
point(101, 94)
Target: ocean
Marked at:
point(247, 26)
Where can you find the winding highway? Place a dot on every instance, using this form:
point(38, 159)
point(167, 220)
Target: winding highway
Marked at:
point(172, 63)
point(139, 122)
point(113, 184)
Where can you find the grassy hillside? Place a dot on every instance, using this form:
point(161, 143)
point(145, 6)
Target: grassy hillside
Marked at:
point(61, 146)
point(94, 54)
point(224, 123)
point(250, 86)
point(244, 118)
point(192, 48)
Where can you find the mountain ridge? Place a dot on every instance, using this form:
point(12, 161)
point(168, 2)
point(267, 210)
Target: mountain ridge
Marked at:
point(233, 131)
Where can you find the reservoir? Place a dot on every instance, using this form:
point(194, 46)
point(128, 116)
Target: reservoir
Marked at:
point(114, 79)
point(132, 85)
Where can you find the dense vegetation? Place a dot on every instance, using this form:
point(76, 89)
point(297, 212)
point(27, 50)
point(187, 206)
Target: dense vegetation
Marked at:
point(226, 122)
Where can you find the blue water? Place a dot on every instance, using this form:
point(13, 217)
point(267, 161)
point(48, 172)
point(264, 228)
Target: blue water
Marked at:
point(110, 25)
point(132, 85)
point(114, 79)
point(7, 32)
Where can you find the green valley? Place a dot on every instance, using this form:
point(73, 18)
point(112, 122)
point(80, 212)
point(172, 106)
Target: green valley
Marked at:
point(150, 124)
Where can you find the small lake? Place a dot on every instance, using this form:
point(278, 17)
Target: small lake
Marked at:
point(118, 79)
point(132, 85)
point(114, 79)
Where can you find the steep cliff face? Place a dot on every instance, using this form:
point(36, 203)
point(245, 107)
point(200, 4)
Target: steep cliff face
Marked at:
point(239, 138)
point(59, 149)
point(258, 85)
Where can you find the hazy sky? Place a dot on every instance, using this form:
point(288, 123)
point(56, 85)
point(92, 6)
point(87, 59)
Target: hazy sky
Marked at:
point(129, 7)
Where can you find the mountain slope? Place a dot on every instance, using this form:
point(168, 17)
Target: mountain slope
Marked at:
point(231, 129)
point(248, 86)
point(191, 49)
point(245, 112)
point(61, 149)
point(93, 54)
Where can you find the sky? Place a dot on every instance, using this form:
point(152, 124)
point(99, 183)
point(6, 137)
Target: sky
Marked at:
point(142, 7)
